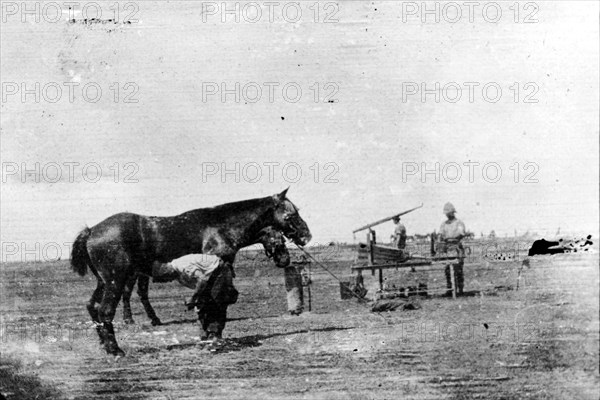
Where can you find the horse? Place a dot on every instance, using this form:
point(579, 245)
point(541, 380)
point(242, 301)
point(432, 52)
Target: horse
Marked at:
point(274, 246)
point(126, 244)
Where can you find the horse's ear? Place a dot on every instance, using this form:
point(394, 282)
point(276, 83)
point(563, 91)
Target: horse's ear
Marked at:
point(281, 195)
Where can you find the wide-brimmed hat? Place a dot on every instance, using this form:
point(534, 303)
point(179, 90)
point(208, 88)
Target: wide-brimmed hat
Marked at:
point(448, 208)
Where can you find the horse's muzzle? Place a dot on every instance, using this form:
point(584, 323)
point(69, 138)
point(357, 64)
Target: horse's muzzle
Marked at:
point(303, 240)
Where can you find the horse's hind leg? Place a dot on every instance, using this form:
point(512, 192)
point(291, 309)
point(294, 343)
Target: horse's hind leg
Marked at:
point(127, 317)
point(143, 283)
point(94, 303)
point(112, 294)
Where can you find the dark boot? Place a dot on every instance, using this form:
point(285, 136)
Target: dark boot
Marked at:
point(459, 278)
point(202, 321)
point(212, 318)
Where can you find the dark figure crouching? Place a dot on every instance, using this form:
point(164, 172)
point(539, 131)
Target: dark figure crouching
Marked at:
point(211, 302)
point(212, 280)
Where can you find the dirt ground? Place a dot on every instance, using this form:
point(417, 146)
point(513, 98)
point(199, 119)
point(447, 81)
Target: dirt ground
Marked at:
point(540, 341)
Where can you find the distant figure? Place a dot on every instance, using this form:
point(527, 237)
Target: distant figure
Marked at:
point(544, 246)
point(552, 247)
point(399, 234)
point(452, 231)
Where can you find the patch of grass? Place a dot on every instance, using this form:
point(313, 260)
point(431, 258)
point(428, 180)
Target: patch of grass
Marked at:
point(15, 384)
point(546, 356)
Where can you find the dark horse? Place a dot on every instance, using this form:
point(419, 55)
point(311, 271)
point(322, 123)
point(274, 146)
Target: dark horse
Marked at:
point(126, 244)
point(272, 240)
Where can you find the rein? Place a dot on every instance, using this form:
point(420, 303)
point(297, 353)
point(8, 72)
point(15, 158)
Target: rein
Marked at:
point(361, 300)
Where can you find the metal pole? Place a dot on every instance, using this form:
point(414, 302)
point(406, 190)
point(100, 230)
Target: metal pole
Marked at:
point(308, 288)
point(381, 221)
point(370, 248)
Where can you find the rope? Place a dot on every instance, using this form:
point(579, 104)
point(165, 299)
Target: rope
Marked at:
point(361, 300)
point(330, 273)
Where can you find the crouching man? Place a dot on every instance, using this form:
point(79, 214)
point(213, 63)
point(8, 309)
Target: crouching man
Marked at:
point(212, 281)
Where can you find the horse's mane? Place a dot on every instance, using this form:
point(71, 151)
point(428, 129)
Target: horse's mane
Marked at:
point(244, 205)
point(235, 207)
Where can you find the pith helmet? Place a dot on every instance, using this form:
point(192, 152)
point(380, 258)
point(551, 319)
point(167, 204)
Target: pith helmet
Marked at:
point(448, 208)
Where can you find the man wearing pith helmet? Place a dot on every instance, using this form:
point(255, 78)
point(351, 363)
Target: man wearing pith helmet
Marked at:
point(452, 231)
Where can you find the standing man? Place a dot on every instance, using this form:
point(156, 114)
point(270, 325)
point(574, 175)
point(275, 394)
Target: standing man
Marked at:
point(452, 231)
point(399, 234)
point(294, 286)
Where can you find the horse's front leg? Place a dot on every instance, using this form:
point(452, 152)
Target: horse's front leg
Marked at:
point(142, 290)
point(127, 317)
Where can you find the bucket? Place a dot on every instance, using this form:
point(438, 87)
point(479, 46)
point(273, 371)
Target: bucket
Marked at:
point(345, 292)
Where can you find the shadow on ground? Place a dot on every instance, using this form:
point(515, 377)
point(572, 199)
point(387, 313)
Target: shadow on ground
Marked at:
point(233, 344)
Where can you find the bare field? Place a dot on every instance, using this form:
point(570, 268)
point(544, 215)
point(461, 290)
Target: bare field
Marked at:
point(540, 341)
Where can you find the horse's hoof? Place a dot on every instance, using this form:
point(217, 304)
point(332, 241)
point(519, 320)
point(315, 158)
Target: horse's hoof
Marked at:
point(156, 322)
point(117, 352)
point(129, 321)
point(211, 338)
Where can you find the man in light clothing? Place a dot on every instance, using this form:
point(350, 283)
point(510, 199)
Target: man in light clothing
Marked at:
point(294, 284)
point(294, 289)
point(399, 234)
point(452, 231)
point(189, 271)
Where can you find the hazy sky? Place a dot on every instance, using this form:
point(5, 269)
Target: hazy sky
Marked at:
point(365, 129)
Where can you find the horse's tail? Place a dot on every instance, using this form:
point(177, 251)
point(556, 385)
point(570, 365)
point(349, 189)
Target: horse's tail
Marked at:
point(80, 259)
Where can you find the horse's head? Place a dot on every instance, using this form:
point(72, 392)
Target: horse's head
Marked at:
point(288, 220)
point(274, 243)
